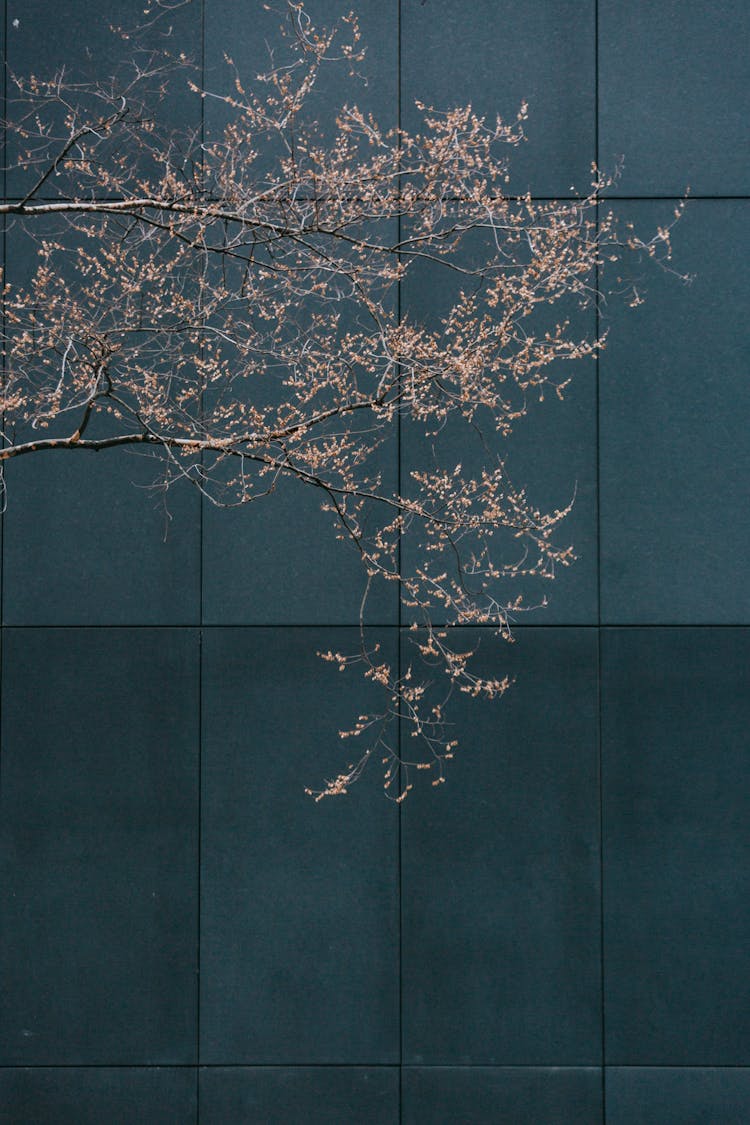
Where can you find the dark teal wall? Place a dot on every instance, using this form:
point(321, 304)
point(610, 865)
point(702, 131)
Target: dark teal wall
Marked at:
point(560, 934)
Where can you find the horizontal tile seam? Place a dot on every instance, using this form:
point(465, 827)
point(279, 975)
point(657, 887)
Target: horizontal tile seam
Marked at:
point(375, 1066)
point(11, 626)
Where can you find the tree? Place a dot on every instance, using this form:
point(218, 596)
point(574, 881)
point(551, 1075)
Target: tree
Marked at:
point(231, 306)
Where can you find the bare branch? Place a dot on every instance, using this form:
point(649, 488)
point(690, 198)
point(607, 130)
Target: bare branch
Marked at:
point(231, 306)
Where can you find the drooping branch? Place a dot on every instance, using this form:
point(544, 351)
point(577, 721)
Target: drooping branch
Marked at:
point(238, 317)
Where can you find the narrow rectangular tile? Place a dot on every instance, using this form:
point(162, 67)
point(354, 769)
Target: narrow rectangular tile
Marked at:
point(500, 866)
point(674, 454)
point(99, 846)
point(321, 1095)
point(299, 918)
point(678, 1095)
point(92, 1095)
point(476, 1095)
point(676, 815)
point(93, 538)
point(551, 453)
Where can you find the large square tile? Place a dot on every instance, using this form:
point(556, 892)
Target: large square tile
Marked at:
point(281, 1095)
point(675, 713)
point(299, 919)
point(95, 41)
point(501, 867)
point(87, 542)
point(251, 37)
point(495, 56)
point(675, 459)
point(674, 96)
point(283, 560)
point(99, 846)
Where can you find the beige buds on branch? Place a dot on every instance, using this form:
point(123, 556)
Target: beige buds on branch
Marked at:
point(231, 304)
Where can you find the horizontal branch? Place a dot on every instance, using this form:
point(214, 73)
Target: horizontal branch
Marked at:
point(74, 442)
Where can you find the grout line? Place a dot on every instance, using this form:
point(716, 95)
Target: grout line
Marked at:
point(199, 865)
point(194, 1066)
point(401, 778)
point(609, 198)
point(199, 811)
point(601, 876)
point(570, 197)
point(599, 601)
point(490, 629)
point(372, 1066)
point(199, 873)
point(3, 242)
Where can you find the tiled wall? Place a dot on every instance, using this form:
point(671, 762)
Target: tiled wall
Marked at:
point(560, 934)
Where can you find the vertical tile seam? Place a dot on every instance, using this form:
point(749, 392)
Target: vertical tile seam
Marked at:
point(602, 1057)
point(2, 312)
point(199, 812)
point(200, 407)
point(2, 374)
point(398, 639)
point(4, 62)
